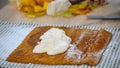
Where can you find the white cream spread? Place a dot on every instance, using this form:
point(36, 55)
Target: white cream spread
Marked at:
point(53, 42)
point(58, 6)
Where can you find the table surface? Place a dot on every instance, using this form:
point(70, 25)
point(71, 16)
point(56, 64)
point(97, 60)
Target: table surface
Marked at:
point(11, 14)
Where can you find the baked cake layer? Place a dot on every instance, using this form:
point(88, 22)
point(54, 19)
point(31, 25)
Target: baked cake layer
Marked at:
point(88, 47)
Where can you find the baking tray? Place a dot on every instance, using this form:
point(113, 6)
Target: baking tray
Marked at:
point(11, 35)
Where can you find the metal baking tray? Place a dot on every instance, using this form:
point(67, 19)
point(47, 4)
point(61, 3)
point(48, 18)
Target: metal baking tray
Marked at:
point(11, 35)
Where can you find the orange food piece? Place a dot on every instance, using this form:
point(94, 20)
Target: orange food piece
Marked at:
point(85, 11)
point(83, 8)
point(41, 2)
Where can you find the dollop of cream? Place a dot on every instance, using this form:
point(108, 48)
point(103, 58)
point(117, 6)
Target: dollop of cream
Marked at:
point(53, 42)
point(58, 6)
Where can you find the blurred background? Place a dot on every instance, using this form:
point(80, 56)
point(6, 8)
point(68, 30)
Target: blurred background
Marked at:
point(111, 12)
point(3, 3)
